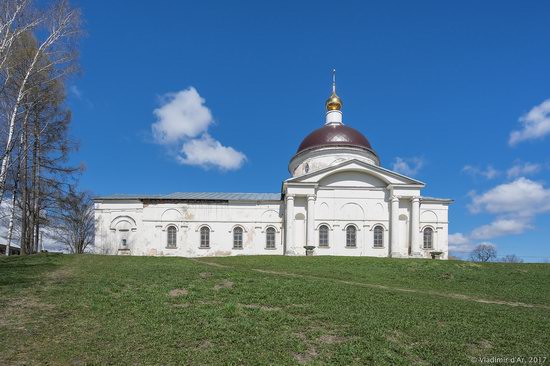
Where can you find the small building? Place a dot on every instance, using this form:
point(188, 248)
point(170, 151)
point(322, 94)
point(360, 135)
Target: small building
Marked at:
point(14, 250)
point(338, 200)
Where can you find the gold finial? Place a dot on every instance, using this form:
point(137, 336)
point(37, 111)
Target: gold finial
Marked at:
point(334, 102)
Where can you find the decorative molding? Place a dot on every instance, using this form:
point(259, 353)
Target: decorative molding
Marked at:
point(204, 225)
point(351, 224)
point(277, 230)
point(379, 224)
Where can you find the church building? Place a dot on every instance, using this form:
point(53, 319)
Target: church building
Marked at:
point(337, 201)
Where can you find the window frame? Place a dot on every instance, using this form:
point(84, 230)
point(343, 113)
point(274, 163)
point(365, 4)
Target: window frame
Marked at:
point(324, 229)
point(270, 238)
point(430, 236)
point(169, 229)
point(238, 230)
point(204, 240)
point(378, 237)
point(348, 236)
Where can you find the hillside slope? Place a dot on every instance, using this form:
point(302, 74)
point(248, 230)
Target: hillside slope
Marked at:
point(61, 309)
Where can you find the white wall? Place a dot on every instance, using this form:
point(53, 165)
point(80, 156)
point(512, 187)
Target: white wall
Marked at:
point(149, 234)
point(341, 198)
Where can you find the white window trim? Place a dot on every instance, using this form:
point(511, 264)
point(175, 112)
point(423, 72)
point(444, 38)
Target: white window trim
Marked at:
point(242, 237)
point(177, 230)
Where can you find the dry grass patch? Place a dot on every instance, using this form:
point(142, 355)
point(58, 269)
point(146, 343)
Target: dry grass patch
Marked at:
point(177, 292)
point(223, 284)
point(306, 357)
point(331, 339)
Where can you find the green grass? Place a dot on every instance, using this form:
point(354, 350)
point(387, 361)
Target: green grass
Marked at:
point(59, 309)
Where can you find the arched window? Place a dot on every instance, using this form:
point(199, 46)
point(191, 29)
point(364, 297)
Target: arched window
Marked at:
point(323, 236)
point(378, 236)
point(205, 237)
point(270, 238)
point(238, 238)
point(428, 238)
point(171, 237)
point(351, 236)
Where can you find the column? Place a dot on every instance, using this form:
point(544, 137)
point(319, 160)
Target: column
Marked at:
point(310, 229)
point(394, 227)
point(415, 226)
point(289, 215)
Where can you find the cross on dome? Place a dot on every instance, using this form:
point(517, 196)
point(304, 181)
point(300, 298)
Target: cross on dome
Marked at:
point(334, 103)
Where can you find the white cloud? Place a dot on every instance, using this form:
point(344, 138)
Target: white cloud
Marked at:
point(207, 152)
point(182, 123)
point(487, 173)
point(460, 243)
point(408, 166)
point(501, 227)
point(515, 205)
point(519, 168)
point(535, 124)
point(182, 115)
point(519, 198)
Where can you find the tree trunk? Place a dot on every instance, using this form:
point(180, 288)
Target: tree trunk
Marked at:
point(12, 216)
point(36, 185)
point(24, 186)
point(11, 129)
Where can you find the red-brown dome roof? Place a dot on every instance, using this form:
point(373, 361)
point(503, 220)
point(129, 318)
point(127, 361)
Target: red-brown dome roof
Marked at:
point(335, 135)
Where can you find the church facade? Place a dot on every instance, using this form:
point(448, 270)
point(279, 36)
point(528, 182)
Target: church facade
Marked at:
point(338, 201)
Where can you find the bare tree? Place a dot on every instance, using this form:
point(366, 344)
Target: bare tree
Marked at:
point(59, 26)
point(483, 253)
point(511, 258)
point(73, 224)
point(37, 53)
point(16, 18)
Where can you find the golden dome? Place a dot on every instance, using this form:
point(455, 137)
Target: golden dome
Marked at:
point(334, 103)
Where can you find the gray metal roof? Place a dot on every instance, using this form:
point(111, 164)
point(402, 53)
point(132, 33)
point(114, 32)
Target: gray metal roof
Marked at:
point(206, 196)
point(425, 198)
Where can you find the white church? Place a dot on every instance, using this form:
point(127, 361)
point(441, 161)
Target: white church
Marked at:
point(338, 201)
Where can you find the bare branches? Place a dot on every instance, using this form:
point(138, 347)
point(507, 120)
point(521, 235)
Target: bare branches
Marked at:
point(73, 224)
point(484, 253)
point(29, 57)
point(38, 51)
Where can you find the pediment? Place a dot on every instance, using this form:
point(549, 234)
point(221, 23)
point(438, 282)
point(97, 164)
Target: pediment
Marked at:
point(357, 173)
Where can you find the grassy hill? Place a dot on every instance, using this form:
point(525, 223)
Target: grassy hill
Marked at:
point(61, 309)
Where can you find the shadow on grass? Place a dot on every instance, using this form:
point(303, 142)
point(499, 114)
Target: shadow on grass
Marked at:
point(22, 270)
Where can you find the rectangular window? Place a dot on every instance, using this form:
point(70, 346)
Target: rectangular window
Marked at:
point(351, 237)
point(237, 239)
point(205, 238)
point(323, 236)
point(427, 241)
point(171, 238)
point(378, 238)
point(270, 238)
point(428, 238)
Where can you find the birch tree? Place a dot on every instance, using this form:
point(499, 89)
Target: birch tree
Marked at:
point(37, 53)
point(55, 52)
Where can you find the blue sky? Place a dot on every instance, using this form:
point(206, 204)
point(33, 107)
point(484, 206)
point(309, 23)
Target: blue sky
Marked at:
point(437, 88)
